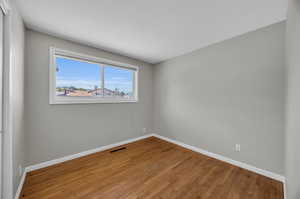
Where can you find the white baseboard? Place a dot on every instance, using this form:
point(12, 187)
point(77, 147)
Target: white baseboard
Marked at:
point(225, 159)
point(196, 149)
point(284, 190)
point(266, 173)
point(19, 190)
point(81, 154)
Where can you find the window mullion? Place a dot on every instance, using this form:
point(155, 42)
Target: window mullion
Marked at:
point(102, 80)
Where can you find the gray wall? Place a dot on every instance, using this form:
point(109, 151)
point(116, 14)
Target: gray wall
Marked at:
point(228, 93)
point(54, 131)
point(293, 101)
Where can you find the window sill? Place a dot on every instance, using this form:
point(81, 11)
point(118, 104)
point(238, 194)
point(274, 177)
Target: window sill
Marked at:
point(91, 101)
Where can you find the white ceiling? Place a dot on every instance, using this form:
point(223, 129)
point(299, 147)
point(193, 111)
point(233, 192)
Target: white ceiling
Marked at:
point(150, 30)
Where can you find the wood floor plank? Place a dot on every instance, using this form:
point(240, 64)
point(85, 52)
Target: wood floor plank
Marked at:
point(149, 168)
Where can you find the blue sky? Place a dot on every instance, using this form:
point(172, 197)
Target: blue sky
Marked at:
point(86, 75)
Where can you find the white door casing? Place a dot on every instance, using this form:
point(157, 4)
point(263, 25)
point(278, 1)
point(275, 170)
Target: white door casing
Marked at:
point(1, 69)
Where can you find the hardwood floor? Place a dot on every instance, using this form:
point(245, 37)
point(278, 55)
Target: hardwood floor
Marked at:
point(149, 168)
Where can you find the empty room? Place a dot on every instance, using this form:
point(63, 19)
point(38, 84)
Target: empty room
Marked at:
point(136, 99)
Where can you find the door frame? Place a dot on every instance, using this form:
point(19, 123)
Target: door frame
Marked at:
point(6, 119)
point(1, 93)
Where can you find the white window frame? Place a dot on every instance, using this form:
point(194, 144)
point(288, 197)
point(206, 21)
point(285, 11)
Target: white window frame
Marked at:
point(53, 99)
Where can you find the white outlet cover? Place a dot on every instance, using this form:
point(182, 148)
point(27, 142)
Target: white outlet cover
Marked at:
point(238, 147)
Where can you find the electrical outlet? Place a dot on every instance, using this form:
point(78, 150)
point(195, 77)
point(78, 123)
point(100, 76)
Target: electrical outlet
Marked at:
point(237, 147)
point(144, 130)
point(20, 170)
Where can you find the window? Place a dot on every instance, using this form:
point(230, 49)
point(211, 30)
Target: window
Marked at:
point(77, 78)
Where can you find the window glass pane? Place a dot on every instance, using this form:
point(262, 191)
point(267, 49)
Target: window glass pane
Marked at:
point(118, 82)
point(77, 78)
